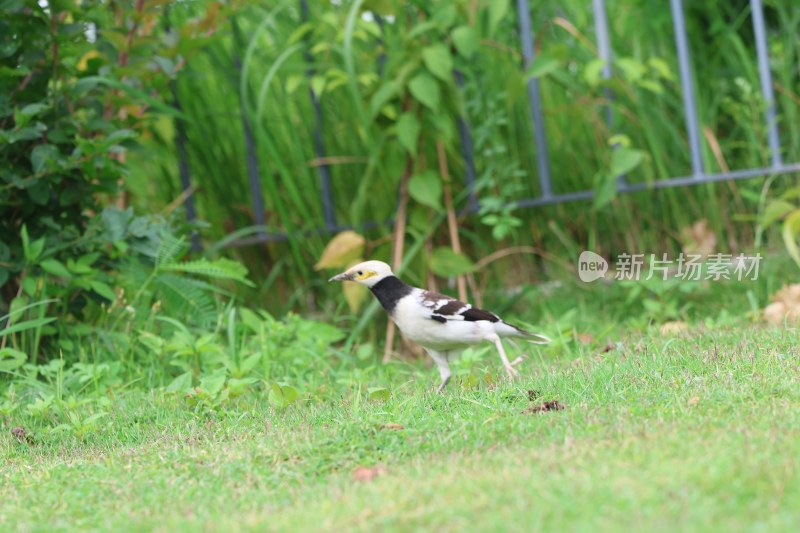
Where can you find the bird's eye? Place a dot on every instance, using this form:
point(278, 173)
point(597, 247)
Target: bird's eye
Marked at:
point(360, 273)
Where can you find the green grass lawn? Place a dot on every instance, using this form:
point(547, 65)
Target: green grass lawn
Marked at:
point(700, 432)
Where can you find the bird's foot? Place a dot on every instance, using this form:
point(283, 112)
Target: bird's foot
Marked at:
point(517, 361)
point(511, 371)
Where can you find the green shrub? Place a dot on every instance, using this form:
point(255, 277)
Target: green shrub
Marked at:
point(57, 141)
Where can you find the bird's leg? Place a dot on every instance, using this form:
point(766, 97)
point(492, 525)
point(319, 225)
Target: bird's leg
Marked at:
point(519, 359)
point(444, 369)
point(510, 370)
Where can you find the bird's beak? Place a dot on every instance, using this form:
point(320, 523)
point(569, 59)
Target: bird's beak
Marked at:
point(344, 276)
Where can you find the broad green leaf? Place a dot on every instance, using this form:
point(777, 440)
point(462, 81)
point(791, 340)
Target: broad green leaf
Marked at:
point(444, 126)
point(380, 394)
point(83, 265)
point(27, 325)
point(465, 39)
point(424, 89)
point(408, 132)
point(318, 85)
point(37, 247)
point(27, 133)
point(90, 421)
point(33, 109)
point(250, 362)
point(651, 85)
point(181, 383)
point(445, 13)
point(497, 11)
point(593, 70)
point(605, 188)
point(122, 134)
point(445, 262)
point(426, 188)
point(293, 82)
point(300, 33)
point(790, 194)
point(776, 210)
point(422, 28)
point(541, 66)
point(213, 383)
point(384, 94)
point(103, 290)
point(791, 229)
point(620, 139)
point(623, 160)
point(55, 267)
point(632, 69)
point(29, 286)
point(41, 155)
point(282, 395)
point(438, 61)
point(661, 68)
point(320, 331)
point(26, 241)
point(11, 359)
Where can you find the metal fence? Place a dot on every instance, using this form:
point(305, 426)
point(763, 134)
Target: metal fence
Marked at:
point(699, 175)
point(547, 194)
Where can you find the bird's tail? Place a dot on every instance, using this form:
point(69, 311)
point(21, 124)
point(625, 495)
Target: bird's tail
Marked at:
point(534, 338)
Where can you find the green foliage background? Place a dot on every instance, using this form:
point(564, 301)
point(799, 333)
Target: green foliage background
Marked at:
point(107, 109)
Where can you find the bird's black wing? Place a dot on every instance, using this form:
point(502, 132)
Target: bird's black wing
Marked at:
point(445, 308)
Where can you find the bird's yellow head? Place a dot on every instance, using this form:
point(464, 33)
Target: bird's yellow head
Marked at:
point(367, 273)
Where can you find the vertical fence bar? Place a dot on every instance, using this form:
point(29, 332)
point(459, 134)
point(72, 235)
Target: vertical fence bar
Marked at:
point(382, 56)
point(184, 172)
point(604, 49)
point(687, 87)
point(250, 146)
point(606, 54)
point(467, 151)
point(183, 166)
point(535, 99)
point(765, 76)
point(326, 194)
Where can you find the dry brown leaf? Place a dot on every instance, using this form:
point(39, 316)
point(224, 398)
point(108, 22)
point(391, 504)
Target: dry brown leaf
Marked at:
point(673, 328)
point(608, 347)
point(775, 313)
point(585, 338)
point(21, 435)
point(342, 250)
point(693, 401)
point(391, 425)
point(699, 239)
point(785, 306)
point(366, 473)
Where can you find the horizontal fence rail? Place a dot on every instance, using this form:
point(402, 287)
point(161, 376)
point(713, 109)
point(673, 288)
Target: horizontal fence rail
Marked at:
point(547, 195)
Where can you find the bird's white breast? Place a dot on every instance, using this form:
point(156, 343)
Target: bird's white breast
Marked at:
point(414, 320)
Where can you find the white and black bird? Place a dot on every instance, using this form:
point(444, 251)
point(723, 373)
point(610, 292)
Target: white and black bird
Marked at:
point(442, 325)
